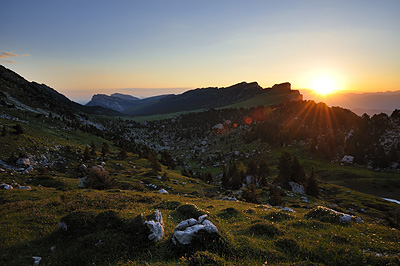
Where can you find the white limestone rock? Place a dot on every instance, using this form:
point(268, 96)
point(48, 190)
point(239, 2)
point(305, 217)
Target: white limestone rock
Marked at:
point(297, 188)
point(186, 230)
point(156, 227)
point(163, 191)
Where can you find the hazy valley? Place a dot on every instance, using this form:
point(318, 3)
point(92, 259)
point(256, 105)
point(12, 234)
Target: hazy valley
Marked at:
point(127, 181)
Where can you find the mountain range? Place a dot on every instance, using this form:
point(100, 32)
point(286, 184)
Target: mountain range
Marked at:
point(197, 99)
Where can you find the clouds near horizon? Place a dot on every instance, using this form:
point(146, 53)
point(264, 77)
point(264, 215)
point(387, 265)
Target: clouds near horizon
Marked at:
point(4, 55)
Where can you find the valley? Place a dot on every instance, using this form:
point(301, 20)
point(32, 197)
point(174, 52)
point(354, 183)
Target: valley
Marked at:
point(285, 181)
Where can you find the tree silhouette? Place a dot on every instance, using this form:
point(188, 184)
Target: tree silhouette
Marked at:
point(311, 184)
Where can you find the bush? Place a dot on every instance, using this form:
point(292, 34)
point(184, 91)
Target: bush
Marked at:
point(288, 245)
point(98, 178)
point(169, 205)
point(278, 216)
point(201, 258)
point(77, 222)
point(108, 220)
point(229, 213)
point(18, 129)
point(324, 215)
point(188, 211)
point(264, 229)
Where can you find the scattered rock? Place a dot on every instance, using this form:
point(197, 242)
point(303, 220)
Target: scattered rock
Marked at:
point(23, 162)
point(304, 199)
point(83, 167)
point(163, 191)
point(230, 199)
point(287, 209)
point(156, 227)
point(6, 186)
point(325, 214)
point(348, 159)
point(297, 188)
point(37, 260)
point(82, 182)
point(186, 230)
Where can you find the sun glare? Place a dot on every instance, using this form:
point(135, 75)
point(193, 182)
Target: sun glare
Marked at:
point(324, 86)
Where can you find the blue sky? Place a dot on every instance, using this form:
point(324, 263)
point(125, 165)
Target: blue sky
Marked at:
point(84, 47)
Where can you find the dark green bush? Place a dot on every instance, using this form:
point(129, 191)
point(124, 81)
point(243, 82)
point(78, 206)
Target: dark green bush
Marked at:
point(229, 213)
point(264, 229)
point(187, 211)
point(108, 220)
point(203, 258)
point(98, 178)
point(278, 216)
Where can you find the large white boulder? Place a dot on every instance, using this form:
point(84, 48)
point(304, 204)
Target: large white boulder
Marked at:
point(348, 159)
point(186, 230)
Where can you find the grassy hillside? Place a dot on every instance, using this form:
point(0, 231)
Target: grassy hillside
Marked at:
point(250, 234)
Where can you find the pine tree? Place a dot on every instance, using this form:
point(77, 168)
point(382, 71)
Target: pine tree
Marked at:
point(155, 165)
point(209, 178)
point(311, 184)
point(298, 174)
point(236, 177)
point(263, 172)
point(123, 153)
point(284, 167)
point(275, 198)
point(250, 193)
point(93, 147)
point(225, 179)
point(86, 154)
point(105, 149)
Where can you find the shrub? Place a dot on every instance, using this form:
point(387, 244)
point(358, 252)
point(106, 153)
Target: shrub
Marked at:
point(77, 222)
point(288, 245)
point(108, 220)
point(264, 229)
point(201, 258)
point(18, 129)
point(187, 211)
point(278, 216)
point(169, 205)
point(229, 213)
point(98, 178)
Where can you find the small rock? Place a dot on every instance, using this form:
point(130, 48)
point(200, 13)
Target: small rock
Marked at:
point(287, 209)
point(23, 162)
point(156, 227)
point(6, 186)
point(37, 260)
point(163, 191)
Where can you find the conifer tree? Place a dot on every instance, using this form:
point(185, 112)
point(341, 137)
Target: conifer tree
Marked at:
point(209, 178)
point(105, 149)
point(298, 174)
point(275, 198)
point(225, 179)
point(263, 172)
point(86, 154)
point(285, 169)
point(311, 184)
point(93, 148)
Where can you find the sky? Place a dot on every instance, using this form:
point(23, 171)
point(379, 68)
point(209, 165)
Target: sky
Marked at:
point(144, 48)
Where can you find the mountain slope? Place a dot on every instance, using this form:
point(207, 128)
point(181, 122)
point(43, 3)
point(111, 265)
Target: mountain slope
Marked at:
point(199, 99)
point(16, 92)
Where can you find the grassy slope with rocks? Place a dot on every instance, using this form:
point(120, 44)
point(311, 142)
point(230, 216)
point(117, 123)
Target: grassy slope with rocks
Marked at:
point(251, 234)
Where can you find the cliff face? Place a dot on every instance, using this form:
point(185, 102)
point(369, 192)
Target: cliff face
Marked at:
point(116, 101)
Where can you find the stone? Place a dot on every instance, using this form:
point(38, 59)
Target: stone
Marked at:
point(163, 191)
point(83, 167)
point(156, 227)
point(297, 188)
point(348, 159)
point(24, 162)
point(24, 187)
point(304, 199)
point(2, 170)
point(37, 260)
point(82, 182)
point(230, 199)
point(6, 186)
point(186, 230)
point(287, 209)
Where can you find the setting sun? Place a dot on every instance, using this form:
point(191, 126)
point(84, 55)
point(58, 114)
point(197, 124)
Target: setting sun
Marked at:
point(324, 86)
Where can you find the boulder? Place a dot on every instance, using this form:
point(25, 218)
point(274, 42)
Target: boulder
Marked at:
point(297, 188)
point(82, 167)
point(82, 182)
point(325, 214)
point(163, 191)
point(287, 209)
point(23, 162)
point(347, 159)
point(186, 230)
point(6, 186)
point(156, 227)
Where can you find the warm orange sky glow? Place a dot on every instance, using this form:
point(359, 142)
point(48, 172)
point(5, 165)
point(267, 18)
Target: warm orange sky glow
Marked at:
point(146, 47)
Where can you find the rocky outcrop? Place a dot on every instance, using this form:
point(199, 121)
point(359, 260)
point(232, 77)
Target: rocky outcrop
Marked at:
point(186, 230)
point(156, 227)
point(116, 101)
